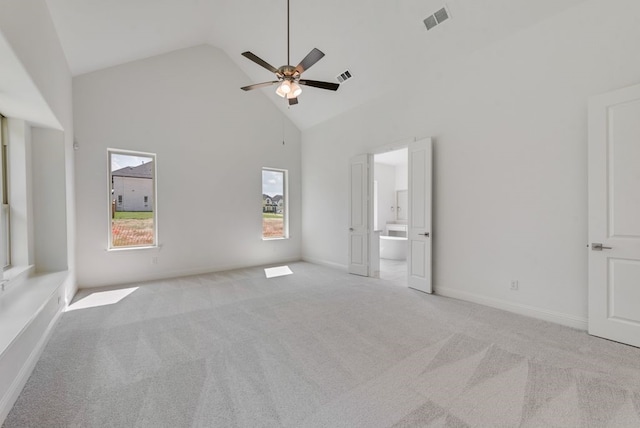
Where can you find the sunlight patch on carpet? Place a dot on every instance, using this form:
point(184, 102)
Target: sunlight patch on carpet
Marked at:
point(101, 298)
point(275, 272)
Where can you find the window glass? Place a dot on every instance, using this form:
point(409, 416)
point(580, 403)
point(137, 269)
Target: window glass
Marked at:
point(274, 203)
point(132, 201)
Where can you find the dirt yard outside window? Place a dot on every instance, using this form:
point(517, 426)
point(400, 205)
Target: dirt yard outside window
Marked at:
point(272, 225)
point(131, 229)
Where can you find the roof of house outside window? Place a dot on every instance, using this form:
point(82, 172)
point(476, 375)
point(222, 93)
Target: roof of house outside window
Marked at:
point(141, 171)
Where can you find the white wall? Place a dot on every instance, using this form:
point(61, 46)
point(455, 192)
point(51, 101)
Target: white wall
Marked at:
point(211, 141)
point(510, 185)
point(49, 195)
point(27, 27)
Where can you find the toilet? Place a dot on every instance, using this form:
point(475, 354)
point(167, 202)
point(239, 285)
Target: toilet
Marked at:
point(393, 244)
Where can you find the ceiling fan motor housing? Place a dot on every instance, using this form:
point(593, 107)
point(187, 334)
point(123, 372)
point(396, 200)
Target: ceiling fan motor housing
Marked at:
point(288, 72)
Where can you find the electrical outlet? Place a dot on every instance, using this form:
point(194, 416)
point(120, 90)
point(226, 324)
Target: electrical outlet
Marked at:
point(154, 260)
point(514, 284)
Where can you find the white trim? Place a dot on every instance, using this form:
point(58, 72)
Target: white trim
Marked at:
point(15, 275)
point(154, 172)
point(187, 272)
point(526, 310)
point(133, 247)
point(9, 399)
point(285, 201)
point(396, 145)
point(326, 263)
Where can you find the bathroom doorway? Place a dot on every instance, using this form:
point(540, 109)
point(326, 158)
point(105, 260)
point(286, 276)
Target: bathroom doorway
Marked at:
point(390, 213)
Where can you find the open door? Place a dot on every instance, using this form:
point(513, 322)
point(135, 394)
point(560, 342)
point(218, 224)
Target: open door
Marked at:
point(614, 216)
point(419, 233)
point(359, 212)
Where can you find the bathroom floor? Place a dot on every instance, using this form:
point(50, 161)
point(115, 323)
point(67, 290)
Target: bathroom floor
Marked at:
point(394, 271)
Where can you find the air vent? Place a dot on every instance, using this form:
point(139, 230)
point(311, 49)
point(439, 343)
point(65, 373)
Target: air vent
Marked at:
point(437, 18)
point(441, 15)
point(430, 22)
point(344, 76)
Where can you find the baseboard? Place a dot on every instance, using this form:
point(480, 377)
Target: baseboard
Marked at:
point(186, 272)
point(325, 263)
point(9, 399)
point(530, 311)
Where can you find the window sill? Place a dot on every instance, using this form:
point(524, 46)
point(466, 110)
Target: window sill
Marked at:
point(127, 249)
point(275, 239)
point(15, 275)
point(22, 305)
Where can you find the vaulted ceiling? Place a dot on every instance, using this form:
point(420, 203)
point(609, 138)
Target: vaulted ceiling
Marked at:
point(383, 43)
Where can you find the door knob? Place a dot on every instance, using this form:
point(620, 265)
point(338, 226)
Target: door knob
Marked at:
point(351, 229)
point(598, 247)
point(424, 234)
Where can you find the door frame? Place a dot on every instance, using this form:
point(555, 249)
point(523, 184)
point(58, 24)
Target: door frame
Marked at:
point(374, 246)
point(374, 237)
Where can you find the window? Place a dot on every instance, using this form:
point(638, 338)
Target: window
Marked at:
point(5, 239)
point(132, 219)
point(274, 204)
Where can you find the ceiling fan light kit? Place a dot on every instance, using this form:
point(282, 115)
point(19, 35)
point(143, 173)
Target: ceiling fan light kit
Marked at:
point(289, 76)
point(289, 89)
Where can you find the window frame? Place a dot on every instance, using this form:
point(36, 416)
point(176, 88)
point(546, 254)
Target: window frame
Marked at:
point(285, 202)
point(5, 216)
point(110, 199)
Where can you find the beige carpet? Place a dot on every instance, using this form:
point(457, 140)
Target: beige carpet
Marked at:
point(320, 348)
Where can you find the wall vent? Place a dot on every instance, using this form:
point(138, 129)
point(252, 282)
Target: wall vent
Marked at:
point(437, 18)
point(344, 76)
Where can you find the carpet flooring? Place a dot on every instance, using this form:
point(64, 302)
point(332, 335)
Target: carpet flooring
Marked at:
point(320, 348)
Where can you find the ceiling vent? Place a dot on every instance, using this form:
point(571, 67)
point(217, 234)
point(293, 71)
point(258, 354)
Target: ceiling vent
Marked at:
point(437, 18)
point(344, 76)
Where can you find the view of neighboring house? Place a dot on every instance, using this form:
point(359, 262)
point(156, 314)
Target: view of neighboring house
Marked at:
point(272, 204)
point(132, 188)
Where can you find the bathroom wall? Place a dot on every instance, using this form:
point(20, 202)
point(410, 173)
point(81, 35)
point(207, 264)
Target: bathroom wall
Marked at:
point(402, 176)
point(385, 175)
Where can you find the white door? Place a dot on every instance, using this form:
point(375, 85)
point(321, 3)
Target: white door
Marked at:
point(359, 215)
point(614, 216)
point(419, 233)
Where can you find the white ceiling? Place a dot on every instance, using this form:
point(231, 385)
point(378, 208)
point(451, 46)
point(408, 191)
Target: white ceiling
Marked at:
point(382, 42)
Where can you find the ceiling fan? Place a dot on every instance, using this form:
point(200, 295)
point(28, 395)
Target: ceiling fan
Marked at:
point(289, 76)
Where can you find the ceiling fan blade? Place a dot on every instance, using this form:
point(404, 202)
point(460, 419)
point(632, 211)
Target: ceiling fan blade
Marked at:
point(312, 57)
point(293, 101)
point(258, 85)
point(322, 85)
point(259, 61)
